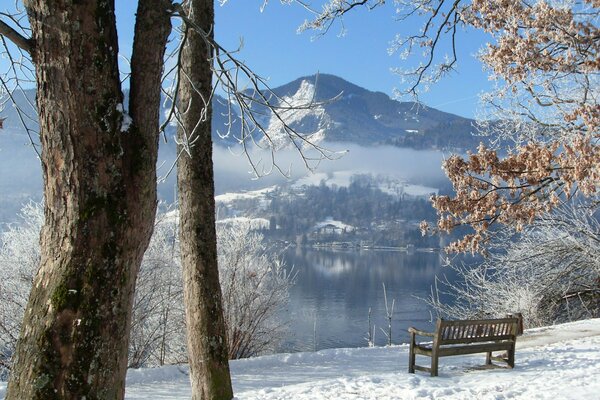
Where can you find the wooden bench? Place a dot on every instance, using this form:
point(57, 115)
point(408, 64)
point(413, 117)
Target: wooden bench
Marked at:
point(453, 338)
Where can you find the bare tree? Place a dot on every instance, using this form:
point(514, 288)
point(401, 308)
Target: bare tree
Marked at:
point(207, 341)
point(99, 179)
point(255, 288)
point(158, 327)
point(389, 313)
point(158, 323)
point(99, 175)
point(549, 272)
point(254, 282)
point(99, 189)
point(19, 259)
point(202, 59)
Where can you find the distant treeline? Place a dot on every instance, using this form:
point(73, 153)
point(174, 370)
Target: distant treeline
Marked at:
point(375, 215)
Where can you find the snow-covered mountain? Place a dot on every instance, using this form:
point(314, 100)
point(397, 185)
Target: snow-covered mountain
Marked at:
point(344, 112)
point(303, 113)
point(328, 108)
point(340, 112)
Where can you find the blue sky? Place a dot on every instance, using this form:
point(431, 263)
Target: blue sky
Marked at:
point(274, 49)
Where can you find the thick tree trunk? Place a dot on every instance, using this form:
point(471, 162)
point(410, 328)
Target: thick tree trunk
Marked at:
point(207, 344)
point(100, 193)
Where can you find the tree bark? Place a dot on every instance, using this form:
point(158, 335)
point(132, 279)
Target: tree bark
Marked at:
point(207, 344)
point(100, 197)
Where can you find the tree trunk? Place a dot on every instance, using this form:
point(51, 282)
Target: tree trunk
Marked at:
point(207, 344)
point(100, 198)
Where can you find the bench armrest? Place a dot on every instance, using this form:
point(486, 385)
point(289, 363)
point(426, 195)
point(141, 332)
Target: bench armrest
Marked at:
point(420, 333)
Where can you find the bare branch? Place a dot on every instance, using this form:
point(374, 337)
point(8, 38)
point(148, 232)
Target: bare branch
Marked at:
point(549, 272)
point(253, 108)
point(19, 40)
point(333, 11)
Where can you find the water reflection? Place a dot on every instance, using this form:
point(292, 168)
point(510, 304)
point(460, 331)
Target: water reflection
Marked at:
point(335, 289)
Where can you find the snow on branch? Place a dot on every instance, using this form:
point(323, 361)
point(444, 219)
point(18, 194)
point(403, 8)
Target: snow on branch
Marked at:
point(549, 272)
point(438, 33)
point(332, 11)
point(545, 59)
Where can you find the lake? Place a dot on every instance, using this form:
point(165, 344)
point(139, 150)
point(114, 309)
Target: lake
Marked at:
point(329, 304)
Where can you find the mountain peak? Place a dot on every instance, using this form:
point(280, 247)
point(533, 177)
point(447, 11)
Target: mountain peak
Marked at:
point(349, 113)
point(327, 86)
point(346, 113)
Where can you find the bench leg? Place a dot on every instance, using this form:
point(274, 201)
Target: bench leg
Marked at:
point(434, 364)
point(411, 355)
point(488, 358)
point(511, 357)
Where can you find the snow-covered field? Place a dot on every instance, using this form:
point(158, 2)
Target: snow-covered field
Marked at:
point(387, 183)
point(558, 362)
point(247, 195)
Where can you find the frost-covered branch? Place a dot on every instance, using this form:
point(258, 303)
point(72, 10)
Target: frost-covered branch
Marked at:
point(252, 107)
point(331, 12)
point(254, 281)
point(438, 33)
point(544, 57)
point(19, 260)
point(255, 287)
point(549, 272)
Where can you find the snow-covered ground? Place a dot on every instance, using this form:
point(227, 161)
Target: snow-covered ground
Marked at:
point(387, 183)
point(558, 362)
point(247, 195)
point(337, 178)
point(253, 223)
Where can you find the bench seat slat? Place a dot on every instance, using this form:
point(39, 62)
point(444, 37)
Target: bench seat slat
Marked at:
point(473, 349)
point(458, 350)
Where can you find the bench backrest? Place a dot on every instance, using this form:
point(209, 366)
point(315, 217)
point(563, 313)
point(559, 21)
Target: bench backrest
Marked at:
point(471, 331)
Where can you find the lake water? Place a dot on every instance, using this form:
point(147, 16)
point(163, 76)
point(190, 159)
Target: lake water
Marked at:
point(329, 304)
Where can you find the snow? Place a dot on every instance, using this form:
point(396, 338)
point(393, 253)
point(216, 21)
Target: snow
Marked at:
point(337, 178)
point(419, 190)
point(296, 110)
point(254, 223)
point(249, 195)
point(557, 362)
point(127, 121)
